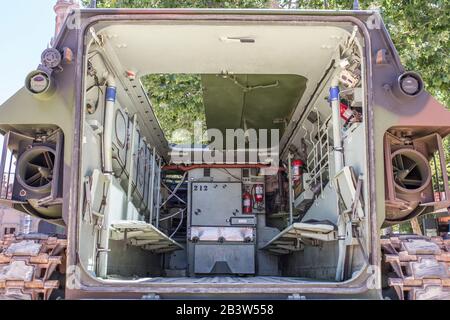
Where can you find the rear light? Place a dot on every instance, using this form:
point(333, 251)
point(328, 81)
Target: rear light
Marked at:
point(410, 84)
point(40, 84)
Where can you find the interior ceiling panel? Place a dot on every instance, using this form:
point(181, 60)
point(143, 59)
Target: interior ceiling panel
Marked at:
point(208, 48)
point(255, 101)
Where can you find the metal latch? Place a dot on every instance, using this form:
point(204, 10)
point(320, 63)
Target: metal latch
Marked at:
point(87, 190)
point(97, 38)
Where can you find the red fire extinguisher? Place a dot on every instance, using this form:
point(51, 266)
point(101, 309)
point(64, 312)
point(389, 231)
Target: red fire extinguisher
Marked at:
point(297, 170)
point(259, 193)
point(247, 202)
point(346, 112)
point(259, 196)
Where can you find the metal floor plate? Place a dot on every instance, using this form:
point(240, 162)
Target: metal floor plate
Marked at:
point(233, 280)
point(222, 279)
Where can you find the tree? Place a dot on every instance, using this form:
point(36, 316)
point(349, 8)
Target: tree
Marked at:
point(182, 3)
point(420, 30)
point(178, 99)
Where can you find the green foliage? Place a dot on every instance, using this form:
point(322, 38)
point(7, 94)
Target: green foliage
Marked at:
point(182, 4)
point(435, 168)
point(420, 30)
point(446, 146)
point(177, 101)
point(404, 228)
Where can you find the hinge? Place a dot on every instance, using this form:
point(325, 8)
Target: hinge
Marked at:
point(98, 39)
point(151, 296)
point(296, 296)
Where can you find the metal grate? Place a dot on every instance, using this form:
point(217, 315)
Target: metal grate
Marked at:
point(318, 159)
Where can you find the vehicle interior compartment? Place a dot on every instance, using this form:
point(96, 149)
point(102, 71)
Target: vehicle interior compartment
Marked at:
point(268, 185)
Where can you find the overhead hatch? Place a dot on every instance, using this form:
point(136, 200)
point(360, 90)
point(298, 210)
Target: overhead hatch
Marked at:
point(258, 101)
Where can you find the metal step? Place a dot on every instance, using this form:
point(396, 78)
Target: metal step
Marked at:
point(294, 237)
point(144, 235)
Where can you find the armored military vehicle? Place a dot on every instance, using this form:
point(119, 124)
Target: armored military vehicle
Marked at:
point(317, 140)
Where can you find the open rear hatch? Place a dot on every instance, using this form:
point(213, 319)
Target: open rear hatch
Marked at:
point(256, 191)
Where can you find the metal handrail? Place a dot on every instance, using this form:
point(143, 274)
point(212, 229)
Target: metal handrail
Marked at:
point(318, 158)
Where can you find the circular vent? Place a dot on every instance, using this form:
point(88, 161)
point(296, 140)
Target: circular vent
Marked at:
point(410, 170)
point(35, 169)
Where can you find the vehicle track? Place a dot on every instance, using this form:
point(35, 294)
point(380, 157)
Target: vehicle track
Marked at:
point(421, 266)
point(28, 265)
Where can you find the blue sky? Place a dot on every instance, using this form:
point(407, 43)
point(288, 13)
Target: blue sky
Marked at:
point(26, 28)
